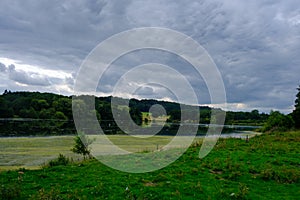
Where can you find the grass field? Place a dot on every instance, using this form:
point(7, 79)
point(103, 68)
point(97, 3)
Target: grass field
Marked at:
point(267, 167)
point(33, 152)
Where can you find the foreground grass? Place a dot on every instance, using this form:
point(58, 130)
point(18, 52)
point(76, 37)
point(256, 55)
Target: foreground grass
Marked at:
point(268, 167)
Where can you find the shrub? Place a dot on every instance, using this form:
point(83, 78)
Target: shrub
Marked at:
point(61, 160)
point(278, 122)
point(82, 145)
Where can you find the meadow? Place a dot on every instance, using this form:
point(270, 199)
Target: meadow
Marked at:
point(34, 152)
point(266, 167)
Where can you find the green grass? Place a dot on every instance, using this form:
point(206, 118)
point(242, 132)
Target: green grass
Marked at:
point(138, 143)
point(32, 152)
point(267, 167)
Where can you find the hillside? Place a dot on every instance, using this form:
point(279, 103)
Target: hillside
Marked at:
point(34, 113)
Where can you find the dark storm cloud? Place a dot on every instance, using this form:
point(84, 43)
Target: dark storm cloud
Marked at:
point(27, 78)
point(255, 44)
point(56, 34)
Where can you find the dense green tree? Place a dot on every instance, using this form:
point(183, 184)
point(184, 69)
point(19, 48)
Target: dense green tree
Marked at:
point(28, 113)
point(20, 103)
point(278, 122)
point(87, 117)
point(175, 115)
point(5, 111)
point(296, 112)
point(60, 115)
point(39, 104)
point(205, 116)
point(47, 113)
point(63, 105)
point(136, 115)
point(255, 115)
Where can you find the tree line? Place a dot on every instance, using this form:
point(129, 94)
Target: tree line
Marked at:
point(35, 113)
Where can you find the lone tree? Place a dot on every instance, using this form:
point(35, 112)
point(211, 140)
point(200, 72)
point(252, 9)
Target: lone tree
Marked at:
point(82, 145)
point(296, 112)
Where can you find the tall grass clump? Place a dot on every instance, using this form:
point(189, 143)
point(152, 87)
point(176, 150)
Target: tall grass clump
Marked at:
point(60, 160)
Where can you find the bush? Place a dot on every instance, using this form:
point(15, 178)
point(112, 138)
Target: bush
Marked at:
point(278, 122)
point(61, 160)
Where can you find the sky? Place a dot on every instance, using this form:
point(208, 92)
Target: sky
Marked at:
point(255, 45)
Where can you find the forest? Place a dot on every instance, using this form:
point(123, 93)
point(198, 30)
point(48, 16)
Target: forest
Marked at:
point(35, 113)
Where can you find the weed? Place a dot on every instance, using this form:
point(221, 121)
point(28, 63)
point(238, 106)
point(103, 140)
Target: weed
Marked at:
point(283, 175)
point(145, 151)
point(11, 191)
point(129, 194)
point(197, 143)
point(61, 160)
point(53, 194)
point(234, 175)
point(159, 178)
point(198, 187)
point(242, 192)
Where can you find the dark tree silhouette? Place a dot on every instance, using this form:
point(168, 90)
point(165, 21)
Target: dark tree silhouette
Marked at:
point(296, 112)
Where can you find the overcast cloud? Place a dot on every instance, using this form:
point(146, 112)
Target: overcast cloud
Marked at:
point(255, 44)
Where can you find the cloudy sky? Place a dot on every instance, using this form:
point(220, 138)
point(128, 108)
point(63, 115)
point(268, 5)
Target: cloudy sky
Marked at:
point(255, 45)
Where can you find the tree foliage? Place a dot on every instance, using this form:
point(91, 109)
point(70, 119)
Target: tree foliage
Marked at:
point(5, 111)
point(82, 145)
point(278, 122)
point(36, 113)
point(296, 112)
